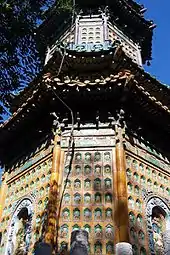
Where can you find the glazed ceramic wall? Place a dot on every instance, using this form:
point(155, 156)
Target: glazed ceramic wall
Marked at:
point(88, 200)
point(147, 178)
point(30, 182)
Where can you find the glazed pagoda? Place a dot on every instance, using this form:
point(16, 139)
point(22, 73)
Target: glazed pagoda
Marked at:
point(87, 146)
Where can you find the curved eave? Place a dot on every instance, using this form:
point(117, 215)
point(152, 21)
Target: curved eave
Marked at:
point(95, 3)
point(157, 93)
point(52, 28)
point(136, 27)
point(37, 94)
point(104, 81)
point(150, 84)
point(112, 80)
point(79, 93)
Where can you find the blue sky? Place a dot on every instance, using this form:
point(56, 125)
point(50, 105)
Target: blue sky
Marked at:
point(158, 11)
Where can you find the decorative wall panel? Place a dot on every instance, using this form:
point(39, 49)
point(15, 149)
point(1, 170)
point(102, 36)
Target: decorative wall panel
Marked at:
point(33, 182)
point(144, 179)
point(88, 200)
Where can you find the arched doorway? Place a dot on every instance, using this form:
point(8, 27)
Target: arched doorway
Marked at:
point(158, 227)
point(19, 233)
point(158, 218)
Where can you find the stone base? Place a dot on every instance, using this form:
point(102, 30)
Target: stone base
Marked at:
point(166, 240)
point(124, 249)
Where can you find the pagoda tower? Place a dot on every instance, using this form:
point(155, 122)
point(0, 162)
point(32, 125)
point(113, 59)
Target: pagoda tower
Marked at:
point(87, 145)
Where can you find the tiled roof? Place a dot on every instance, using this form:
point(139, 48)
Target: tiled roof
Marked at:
point(154, 91)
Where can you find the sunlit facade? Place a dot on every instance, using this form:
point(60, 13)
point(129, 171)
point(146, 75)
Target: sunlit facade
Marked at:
point(87, 146)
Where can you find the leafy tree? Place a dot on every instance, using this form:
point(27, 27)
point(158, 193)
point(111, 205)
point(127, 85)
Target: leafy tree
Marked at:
point(19, 59)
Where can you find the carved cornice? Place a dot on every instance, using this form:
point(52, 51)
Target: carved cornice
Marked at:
point(148, 195)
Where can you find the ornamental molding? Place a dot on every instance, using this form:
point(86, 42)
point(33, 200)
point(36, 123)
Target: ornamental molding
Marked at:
point(36, 159)
point(122, 78)
point(152, 200)
point(92, 47)
point(149, 195)
point(24, 202)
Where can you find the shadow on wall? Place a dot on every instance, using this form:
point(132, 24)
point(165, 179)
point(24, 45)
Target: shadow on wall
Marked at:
point(41, 228)
point(137, 224)
point(41, 248)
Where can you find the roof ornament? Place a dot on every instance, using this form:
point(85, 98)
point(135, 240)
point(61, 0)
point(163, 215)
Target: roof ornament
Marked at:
point(56, 125)
point(78, 119)
point(106, 10)
point(143, 10)
point(97, 119)
point(111, 119)
point(152, 25)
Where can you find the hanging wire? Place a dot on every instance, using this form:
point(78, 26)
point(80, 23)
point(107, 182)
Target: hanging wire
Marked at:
point(64, 54)
point(71, 143)
point(71, 112)
point(71, 146)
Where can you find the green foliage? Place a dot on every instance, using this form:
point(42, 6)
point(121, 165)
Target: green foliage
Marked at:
point(19, 59)
point(64, 5)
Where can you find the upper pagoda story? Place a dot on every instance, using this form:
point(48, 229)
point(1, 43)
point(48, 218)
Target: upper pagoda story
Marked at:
point(95, 25)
